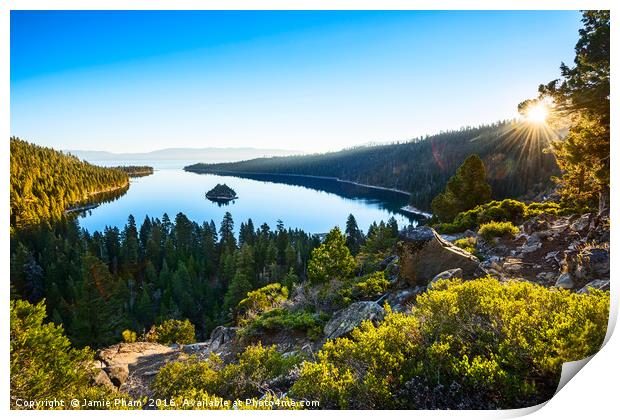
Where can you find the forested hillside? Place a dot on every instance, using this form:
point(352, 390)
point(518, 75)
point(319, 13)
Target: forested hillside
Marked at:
point(513, 155)
point(45, 182)
point(98, 285)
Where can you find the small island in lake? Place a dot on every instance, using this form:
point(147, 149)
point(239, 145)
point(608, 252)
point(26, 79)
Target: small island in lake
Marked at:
point(221, 193)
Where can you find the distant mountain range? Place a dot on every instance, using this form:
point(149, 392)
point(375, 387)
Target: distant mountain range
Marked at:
point(205, 155)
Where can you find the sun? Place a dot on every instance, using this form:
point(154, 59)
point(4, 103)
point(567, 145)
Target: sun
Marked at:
point(537, 113)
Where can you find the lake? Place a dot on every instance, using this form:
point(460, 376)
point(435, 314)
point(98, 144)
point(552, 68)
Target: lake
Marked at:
point(314, 205)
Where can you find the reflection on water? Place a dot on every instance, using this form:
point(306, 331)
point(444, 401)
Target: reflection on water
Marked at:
point(315, 205)
point(392, 201)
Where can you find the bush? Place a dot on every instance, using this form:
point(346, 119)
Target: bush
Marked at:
point(506, 339)
point(359, 372)
point(367, 287)
point(548, 207)
point(474, 344)
point(44, 366)
point(499, 211)
point(261, 300)
point(282, 319)
point(172, 331)
point(468, 244)
point(129, 336)
point(246, 379)
point(497, 230)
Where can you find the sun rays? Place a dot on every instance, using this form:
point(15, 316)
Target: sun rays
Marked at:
point(537, 111)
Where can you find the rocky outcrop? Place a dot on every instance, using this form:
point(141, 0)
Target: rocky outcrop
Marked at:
point(131, 367)
point(595, 284)
point(565, 281)
point(118, 374)
point(345, 320)
point(561, 251)
point(454, 273)
point(220, 336)
point(400, 299)
point(423, 253)
point(391, 268)
point(102, 379)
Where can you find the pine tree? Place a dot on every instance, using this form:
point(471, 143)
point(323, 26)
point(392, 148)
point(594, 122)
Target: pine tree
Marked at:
point(238, 289)
point(355, 238)
point(582, 95)
point(130, 244)
point(464, 191)
point(331, 260)
point(227, 233)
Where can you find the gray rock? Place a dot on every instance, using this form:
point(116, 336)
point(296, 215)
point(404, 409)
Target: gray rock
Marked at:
point(512, 266)
point(384, 264)
point(118, 374)
point(597, 261)
point(98, 364)
point(455, 273)
point(102, 379)
point(423, 253)
point(391, 270)
point(551, 256)
point(536, 224)
point(526, 249)
point(195, 346)
point(456, 236)
point(546, 276)
point(401, 297)
point(582, 223)
point(532, 243)
point(565, 281)
point(220, 337)
point(345, 320)
point(601, 284)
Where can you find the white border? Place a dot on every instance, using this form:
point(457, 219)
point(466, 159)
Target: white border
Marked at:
point(592, 395)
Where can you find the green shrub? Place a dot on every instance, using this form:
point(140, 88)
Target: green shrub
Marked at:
point(245, 379)
point(172, 331)
point(261, 300)
point(282, 319)
point(359, 372)
point(129, 336)
point(44, 366)
point(468, 244)
point(497, 230)
point(367, 287)
point(473, 344)
point(507, 210)
point(505, 343)
point(547, 207)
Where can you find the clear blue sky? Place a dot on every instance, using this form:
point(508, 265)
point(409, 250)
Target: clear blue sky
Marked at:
point(142, 80)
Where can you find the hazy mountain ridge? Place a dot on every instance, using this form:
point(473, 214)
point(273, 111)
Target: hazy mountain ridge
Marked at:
point(206, 154)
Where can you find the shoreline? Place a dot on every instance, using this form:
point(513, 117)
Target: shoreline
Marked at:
point(89, 206)
point(408, 208)
point(331, 178)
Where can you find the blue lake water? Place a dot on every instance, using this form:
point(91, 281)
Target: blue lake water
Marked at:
point(314, 205)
